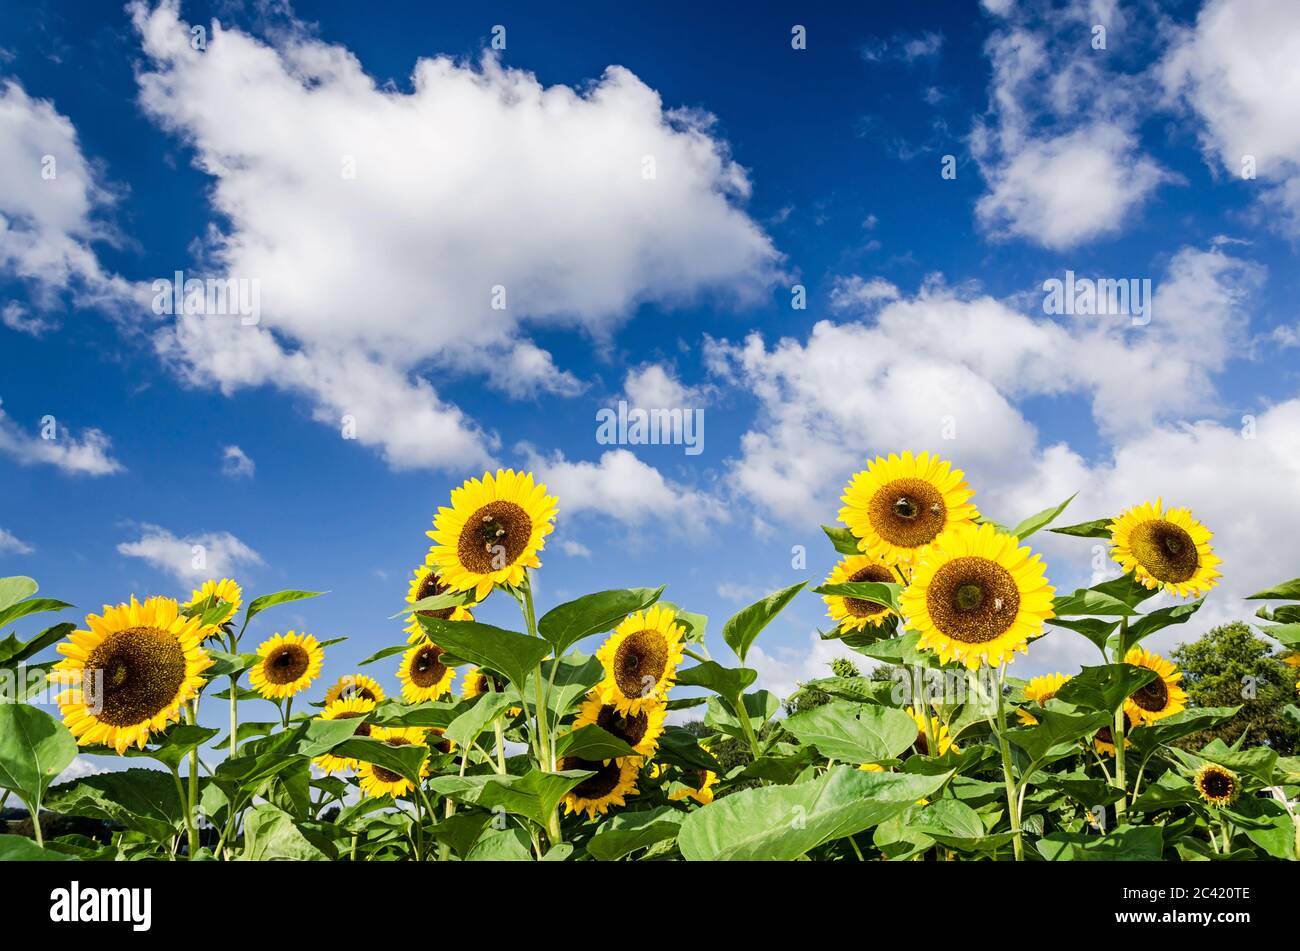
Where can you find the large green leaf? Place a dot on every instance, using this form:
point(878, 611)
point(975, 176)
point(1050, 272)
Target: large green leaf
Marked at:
point(1286, 591)
point(17, 848)
point(258, 605)
point(1040, 520)
point(597, 613)
point(511, 654)
point(404, 760)
point(34, 749)
point(15, 589)
point(1287, 634)
point(1158, 620)
point(745, 625)
point(1094, 629)
point(1097, 528)
point(854, 732)
point(877, 592)
point(628, 831)
point(593, 744)
point(572, 677)
point(728, 682)
point(1090, 602)
point(487, 707)
point(14, 651)
point(1126, 588)
point(1121, 844)
point(176, 744)
point(785, 822)
point(28, 607)
point(533, 795)
point(1185, 723)
point(142, 800)
point(271, 833)
point(1056, 728)
point(899, 650)
point(435, 602)
point(1104, 688)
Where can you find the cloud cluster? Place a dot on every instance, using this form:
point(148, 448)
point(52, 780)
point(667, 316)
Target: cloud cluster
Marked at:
point(88, 454)
point(191, 559)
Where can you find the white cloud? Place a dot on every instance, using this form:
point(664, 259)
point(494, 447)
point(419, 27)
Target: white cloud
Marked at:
point(904, 47)
point(655, 386)
point(857, 293)
point(191, 558)
point(622, 487)
point(738, 593)
point(88, 454)
point(236, 464)
point(574, 549)
point(11, 544)
point(17, 317)
point(479, 183)
point(1236, 69)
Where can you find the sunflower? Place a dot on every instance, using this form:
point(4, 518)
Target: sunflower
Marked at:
point(701, 790)
point(1160, 698)
point(871, 767)
point(377, 781)
point(423, 674)
point(129, 673)
point(1039, 690)
point(639, 730)
point(355, 685)
point(492, 532)
point(640, 659)
point(1170, 550)
point(348, 708)
point(1293, 661)
point(942, 738)
point(897, 506)
point(977, 596)
point(1104, 741)
point(1218, 786)
point(854, 614)
point(425, 584)
point(614, 781)
point(290, 662)
point(478, 682)
point(225, 592)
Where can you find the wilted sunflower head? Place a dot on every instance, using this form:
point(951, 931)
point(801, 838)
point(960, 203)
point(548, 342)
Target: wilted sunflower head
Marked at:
point(1217, 785)
point(427, 583)
point(355, 686)
point(288, 664)
point(977, 596)
point(129, 672)
point(640, 659)
point(640, 730)
point(613, 781)
point(423, 674)
point(897, 506)
point(492, 532)
point(856, 614)
point(347, 708)
point(1161, 697)
point(1165, 549)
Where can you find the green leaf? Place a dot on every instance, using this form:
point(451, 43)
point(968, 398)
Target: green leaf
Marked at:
point(15, 589)
point(271, 833)
point(1041, 520)
point(385, 653)
point(533, 795)
point(1089, 601)
point(1104, 688)
point(745, 625)
point(845, 542)
point(1057, 728)
point(1167, 792)
point(1286, 591)
point(628, 831)
point(1121, 844)
point(176, 744)
point(597, 613)
point(17, 848)
point(404, 760)
point(225, 665)
point(1094, 629)
point(487, 707)
point(258, 605)
point(461, 830)
point(1184, 723)
point(1258, 761)
point(28, 607)
point(877, 592)
point(574, 676)
point(502, 845)
point(512, 655)
point(759, 706)
point(593, 744)
point(34, 749)
point(1157, 620)
point(1126, 588)
point(785, 822)
point(725, 681)
point(14, 651)
point(1097, 528)
point(1287, 634)
point(681, 748)
point(900, 650)
point(854, 733)
point(435, 602)
point(142, 800)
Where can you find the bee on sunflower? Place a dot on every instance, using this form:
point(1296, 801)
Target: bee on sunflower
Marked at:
point(1160, 698)
point(1217, 785)
point(355, 685)
point(377, 781)
point(426, 583)
point(1165, 548)
point(977, 596)
point(640, 730)
point(129, 672)
point(897, 506)
point(613, 781)
point(1039, 690)
point(423, 674)
point(347, 708)
point(640, 659)
point(492, 532)
point(287, 666)
point(854, 614)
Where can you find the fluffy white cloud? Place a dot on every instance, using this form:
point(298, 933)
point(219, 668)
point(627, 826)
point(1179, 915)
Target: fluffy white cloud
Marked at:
point(622, 487)
point(655, 386)
point(391, 231)
point(1236, 69)
point(235, 463)
point(17, 317)
point(87, 454)
point(857, 293)
point(574, 549)
point(11, 544)
point(191, 558)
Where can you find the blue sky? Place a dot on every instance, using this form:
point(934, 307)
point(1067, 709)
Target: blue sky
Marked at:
point(776, 166)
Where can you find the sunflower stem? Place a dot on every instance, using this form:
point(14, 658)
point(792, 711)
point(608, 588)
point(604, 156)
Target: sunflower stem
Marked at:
point(1013, 805)
point(192, 715)
point(922, 707)
point(1117, 731)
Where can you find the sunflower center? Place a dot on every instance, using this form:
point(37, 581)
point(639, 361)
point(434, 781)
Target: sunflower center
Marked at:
point(494, 537)
point(143, 669)
point(858, 607)
point(631, 729)
point(640, 662)
point(922, 744)
point(1152, 697)
point(1165, 550)
point(286, 663)
point(1107, 735)
point(1216, 784)
point(594, 787)
point(387, 775)
point(907, 512)
point(430, 586)
point(973, 600)
point(426, 669)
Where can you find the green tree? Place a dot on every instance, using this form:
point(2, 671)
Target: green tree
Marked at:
point(1232, 665)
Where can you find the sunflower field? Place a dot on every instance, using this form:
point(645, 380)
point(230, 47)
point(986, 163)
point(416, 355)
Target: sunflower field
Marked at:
point(603, 729)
